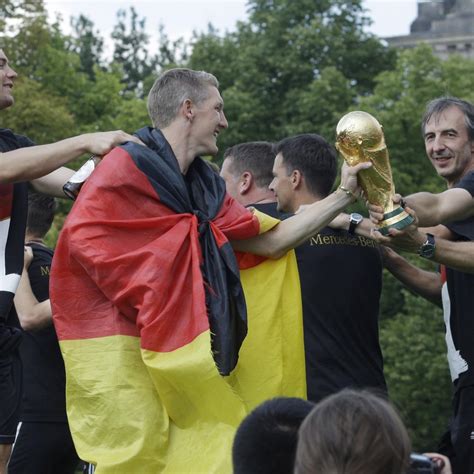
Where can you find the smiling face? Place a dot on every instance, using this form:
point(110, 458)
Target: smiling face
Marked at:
point(7, 76)
point(208, 121)
point(448, 146)
point(282, 185)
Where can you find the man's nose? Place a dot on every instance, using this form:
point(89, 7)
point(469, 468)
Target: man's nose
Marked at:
point(223, 121)
point(11, 73)
point(438, 143)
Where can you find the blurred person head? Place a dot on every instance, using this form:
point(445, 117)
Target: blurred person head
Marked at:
point(304, 171)
point(448, 132)
point(247, 172)
point(265, 442)
point(354, 432)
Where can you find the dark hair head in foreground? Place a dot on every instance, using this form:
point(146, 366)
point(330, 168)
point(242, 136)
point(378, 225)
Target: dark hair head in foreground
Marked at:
point(353, 432)
point(265, 442)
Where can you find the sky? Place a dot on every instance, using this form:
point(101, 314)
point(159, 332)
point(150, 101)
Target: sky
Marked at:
point(181, 17)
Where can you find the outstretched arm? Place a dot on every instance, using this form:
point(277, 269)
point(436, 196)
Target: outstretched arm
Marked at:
point(456, 255)
point(433, 209)
point(26, 164)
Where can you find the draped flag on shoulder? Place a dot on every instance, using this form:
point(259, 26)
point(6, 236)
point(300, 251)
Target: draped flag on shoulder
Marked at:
point(150, 314)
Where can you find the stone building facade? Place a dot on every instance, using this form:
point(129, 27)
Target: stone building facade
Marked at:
point(447, 25)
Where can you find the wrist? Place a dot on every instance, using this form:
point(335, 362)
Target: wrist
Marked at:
point(427, 247)
point(350, 196)
point(354, 220)
point(81, 143)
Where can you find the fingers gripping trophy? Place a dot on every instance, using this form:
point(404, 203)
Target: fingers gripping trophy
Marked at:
point(359, 138)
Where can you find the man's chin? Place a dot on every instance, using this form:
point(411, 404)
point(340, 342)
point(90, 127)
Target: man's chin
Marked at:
point(6, 102)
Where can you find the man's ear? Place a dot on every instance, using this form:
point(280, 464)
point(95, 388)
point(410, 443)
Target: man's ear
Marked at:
point(187, 110)
point(296, 178)
point(245, 182)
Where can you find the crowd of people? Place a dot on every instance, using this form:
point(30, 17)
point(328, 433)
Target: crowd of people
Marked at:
point(182, 300)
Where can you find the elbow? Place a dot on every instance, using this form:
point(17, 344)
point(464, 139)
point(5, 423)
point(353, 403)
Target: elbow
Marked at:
point(27, 322)
point(7, 177)
point(31, 321)
point(276, 254)
point(275, 251)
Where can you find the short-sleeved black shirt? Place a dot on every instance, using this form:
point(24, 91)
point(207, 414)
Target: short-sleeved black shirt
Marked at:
point(43, 366)
point(458, 303)
point(341, 284)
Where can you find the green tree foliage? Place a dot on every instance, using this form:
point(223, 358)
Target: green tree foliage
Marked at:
point(131, 50)
point(416, 370)
point(274, 64)
point(14, 12)
point(87, 44)
point(41, 116)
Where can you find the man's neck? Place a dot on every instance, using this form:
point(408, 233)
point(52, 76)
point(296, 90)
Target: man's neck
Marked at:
point(303, 199)
point(180, 145)
point(31, 238)
point(451, 183)
point(257, 196)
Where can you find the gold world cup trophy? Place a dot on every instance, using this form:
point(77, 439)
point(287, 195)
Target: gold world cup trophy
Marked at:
point(359, 138)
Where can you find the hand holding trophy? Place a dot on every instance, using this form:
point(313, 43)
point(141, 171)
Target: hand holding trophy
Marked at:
point(359, 138)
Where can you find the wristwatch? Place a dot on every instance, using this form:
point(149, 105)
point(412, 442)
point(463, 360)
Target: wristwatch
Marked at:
point(427, 250)
point(354, 220)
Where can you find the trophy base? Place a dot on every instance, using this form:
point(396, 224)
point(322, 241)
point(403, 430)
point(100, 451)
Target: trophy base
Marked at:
point(396, 219)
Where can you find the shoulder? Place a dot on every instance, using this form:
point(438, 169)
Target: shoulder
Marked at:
point(42, 255)
point(11, 141)
point(467, 182)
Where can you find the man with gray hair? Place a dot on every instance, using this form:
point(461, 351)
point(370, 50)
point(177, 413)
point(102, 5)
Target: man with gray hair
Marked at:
point(448, 131)
point(155, 315)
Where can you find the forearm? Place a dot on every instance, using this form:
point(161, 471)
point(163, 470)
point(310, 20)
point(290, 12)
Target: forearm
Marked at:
point(455, 255)
point(422, 282)
point(26, 164)
point(52, 184)
point(32, 314)
point(433, 209)
point(342, 221)
point(426, 207)
point(294, 231)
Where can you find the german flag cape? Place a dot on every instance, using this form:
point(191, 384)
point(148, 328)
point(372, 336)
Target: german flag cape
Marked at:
point(150, 315)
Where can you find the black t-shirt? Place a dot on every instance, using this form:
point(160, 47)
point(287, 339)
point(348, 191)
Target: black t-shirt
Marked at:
point(459, 303)
point(341, 283)
point(43, 366)
point(13, 209)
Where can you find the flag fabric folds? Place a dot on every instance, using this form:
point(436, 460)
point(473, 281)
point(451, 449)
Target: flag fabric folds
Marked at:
point(150, 314)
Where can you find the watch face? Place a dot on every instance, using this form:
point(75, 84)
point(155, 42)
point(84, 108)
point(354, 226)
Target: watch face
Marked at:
point(356, 218)
point(427, 250)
